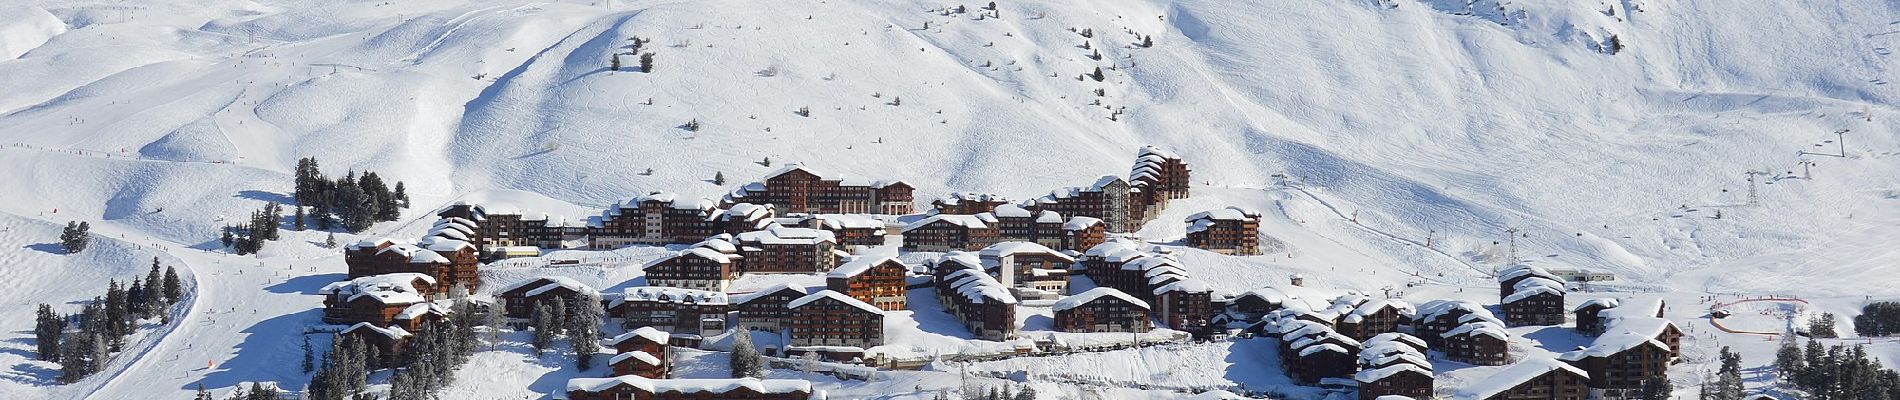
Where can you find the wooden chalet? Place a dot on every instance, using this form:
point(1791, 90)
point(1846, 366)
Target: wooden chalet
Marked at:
point(1102, 309)
point(1231, 230)
point(851, 229)
point(450, 261)
point(945, 232)
point(671, 309)
point(1161, 172)
point(390, 342)
point(767, 309)
point(1374, 317)
point(829, 318)
point(641, 352)
point(519, 301)
point(798, 189)
point(1535, 301)
point(641, 388)
point(1436, 317)
point(1082, 233)
point(879, 281)
point(967, 203)
point(377, 300)
point(1185, 305)
point(982, 303)
point(789, 250)
point(1478, 343)
point(743, 217)
point(1533, 379)
point(699, 267)
point(1618, 363)
point(1409, 380)
point(1028, 265)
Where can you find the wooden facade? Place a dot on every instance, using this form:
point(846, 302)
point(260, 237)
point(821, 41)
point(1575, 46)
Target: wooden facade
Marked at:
point(879, 281)
point(768, 309)
point(698, 268)
point(1230, 230)
point(1108, 311)
point(671, 309)
point(830, 318)
point(520, 300)
point(788, 250)
point(797, 189)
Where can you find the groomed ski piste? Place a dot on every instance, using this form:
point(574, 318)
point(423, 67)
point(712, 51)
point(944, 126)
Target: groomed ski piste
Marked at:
point(1362, 129)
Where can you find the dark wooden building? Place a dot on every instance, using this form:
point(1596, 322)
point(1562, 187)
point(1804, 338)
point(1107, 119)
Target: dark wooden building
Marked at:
point(789, 250)
point(982, 303)
point(767, 309)
point(1102, 309)
point(1533, 379)
point(701, 268)
point(797, 189)
point(520, 300)
point(671, 309)
point(879, 281)
point(945, 232)
point(829, 318)
point(1231, 230)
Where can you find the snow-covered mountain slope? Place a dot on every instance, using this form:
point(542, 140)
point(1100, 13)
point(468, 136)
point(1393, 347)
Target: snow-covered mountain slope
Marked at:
point(1394, 121)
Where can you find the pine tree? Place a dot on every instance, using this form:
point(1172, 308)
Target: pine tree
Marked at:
point(543, 325)
point(1729, 377)
point(135, 300)
point(583, 329)
point(309, 356)
point(402, 196)
point(297, 220)
point(1097, 75)
point(1148, 41)
point(1656, 388)
point(75, 237)
point(614, 62)
point(646, 62)
point(115, 323)
point(259, 392)
point(154, 292)
point(173, 289)
point(1028, 393)
point(202, 393)
point(47, 327)
point(745, 361)
point(329, 241)
point(719, 178)
point(227, 238)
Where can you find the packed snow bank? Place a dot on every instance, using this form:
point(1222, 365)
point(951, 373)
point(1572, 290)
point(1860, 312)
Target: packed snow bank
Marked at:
point(24, 28)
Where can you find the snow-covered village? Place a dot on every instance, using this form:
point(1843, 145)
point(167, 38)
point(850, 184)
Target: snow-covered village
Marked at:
point(1045, 199)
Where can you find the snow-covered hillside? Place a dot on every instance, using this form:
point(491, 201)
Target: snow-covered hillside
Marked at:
point(1365, 129)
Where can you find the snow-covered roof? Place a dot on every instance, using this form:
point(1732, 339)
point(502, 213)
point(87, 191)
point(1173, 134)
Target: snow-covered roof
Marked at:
point(850, 221)
point(1007, 249)
point(1385, 353)
point(860, 265)
point(370, 243)
point(1078, 299)
point(439, 307)
point(392, 332)
point(1189, 285)
point(394, 289)
point(1516, 374)
point(834, 295)
point(701, 252)
point(1435, 308)
point(779, 235)
point(1115, 251)
point(964, 258)
point(1523, 270)
point(761, 293)
point(970, 221)
point(636, 355)
point(543, 284)
point(1077, 223)
point(1479, 328)
point(441, 244)
point(689, 386)
point(1326, 347)
point(1396, 337)
point(979, 288)
point(645, 332)
point(1528, 291)
point(1230, 213)
point(1375, 375)
point(959, 197)
point(668, 295)
point(1373, 306)
point(1011, 211)
point(1604, 302)
point(1641, 307)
